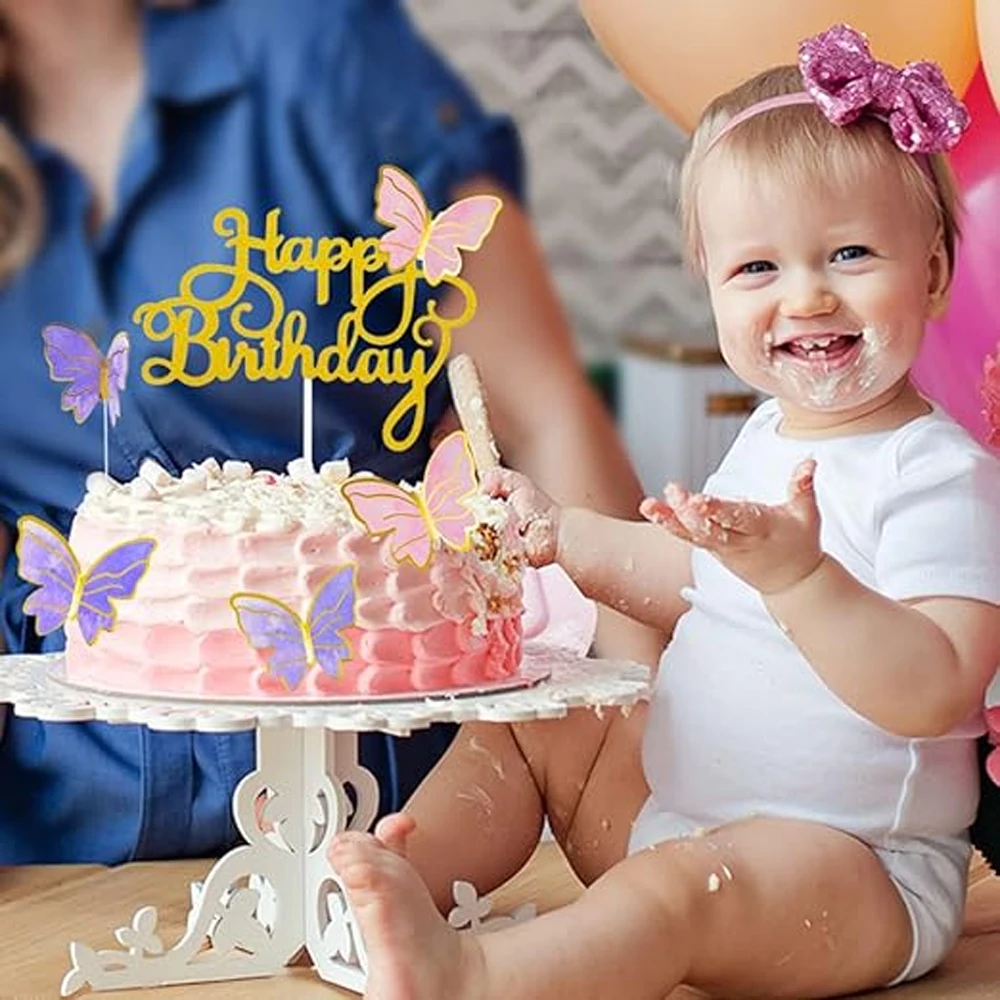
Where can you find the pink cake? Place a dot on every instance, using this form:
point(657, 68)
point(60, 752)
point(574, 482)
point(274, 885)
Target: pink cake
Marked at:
point(226, 530)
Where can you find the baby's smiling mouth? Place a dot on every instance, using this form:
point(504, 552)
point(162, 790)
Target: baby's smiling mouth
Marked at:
point(818, 347)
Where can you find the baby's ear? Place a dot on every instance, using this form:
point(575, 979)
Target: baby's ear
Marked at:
point(939, 277)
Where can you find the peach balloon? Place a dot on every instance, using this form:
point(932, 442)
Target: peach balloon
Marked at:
point(988, 22)
point(682, 53)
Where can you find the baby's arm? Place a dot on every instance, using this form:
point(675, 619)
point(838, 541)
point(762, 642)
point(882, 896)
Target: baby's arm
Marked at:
point(915, 668)
point(631, 566)
point(628, 565)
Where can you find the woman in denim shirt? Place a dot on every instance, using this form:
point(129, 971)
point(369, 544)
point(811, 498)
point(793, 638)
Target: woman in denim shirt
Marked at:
point(135, 124)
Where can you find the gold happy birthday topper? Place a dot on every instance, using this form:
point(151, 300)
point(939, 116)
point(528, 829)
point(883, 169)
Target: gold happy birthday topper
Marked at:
point(273, 346)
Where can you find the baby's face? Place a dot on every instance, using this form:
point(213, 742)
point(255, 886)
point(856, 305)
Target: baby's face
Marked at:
point(820, 295)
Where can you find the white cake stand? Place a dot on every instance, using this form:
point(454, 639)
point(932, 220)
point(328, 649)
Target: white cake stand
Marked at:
point(267, 900)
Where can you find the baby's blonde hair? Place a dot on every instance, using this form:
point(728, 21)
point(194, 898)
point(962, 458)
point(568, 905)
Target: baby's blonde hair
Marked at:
point(800, 146)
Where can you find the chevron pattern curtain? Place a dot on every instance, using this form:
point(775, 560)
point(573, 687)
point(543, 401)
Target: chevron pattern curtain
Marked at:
point(602, 165)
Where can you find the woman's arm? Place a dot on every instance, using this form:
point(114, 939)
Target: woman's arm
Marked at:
point(5, 537)
point(548, 421)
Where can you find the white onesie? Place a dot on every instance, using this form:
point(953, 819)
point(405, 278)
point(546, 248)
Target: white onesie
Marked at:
point(740, 723)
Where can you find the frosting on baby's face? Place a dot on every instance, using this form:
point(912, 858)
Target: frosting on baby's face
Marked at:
point(820, 295)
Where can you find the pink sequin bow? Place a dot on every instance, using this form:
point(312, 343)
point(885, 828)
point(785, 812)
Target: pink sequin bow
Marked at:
point(846, 81)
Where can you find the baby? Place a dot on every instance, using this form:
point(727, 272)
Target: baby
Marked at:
point(788, 817)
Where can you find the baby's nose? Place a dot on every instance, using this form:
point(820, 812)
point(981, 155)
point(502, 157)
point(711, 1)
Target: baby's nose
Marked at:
point(808, 298)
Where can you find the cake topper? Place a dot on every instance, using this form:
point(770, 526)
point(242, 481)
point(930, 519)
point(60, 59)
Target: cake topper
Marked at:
point(290, 646)
point(414, 519)
point(66, 593)
point(264, 340)
point(434, 242)
point(72, 356)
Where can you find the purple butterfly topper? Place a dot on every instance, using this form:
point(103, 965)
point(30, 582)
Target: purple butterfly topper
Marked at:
point(73, 357)
point(291, 647)
point(64, 592)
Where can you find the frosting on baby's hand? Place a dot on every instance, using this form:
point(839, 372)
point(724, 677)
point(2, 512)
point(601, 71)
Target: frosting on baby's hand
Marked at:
point(769, 547)
point(536, 513)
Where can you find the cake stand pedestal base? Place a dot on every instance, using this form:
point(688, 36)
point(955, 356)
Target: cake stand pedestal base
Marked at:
point(264, 901)
point(269, 899)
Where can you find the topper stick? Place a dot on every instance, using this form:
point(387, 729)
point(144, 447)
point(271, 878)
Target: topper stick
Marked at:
point(470, 405)
point(307, 421)
point(104, 408)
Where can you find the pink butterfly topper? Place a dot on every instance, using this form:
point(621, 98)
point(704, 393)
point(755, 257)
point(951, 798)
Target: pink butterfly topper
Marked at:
point(415, 519)
point(436, 241)
point(65, 592)
point(290, 646)
point(73, 357)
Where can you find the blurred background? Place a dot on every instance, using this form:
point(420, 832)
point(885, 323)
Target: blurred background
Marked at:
point(602, 185)
point(603, 170)
point(602, 164)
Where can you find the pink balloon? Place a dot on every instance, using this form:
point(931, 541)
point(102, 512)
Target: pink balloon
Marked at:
point(950, 366)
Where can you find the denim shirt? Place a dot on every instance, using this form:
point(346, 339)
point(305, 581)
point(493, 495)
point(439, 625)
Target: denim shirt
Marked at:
point(249, 103)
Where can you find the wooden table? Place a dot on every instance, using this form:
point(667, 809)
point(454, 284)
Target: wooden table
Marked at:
point(43, 908)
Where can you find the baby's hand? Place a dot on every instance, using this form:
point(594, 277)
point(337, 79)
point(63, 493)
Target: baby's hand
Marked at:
point(536, 511)
point(771, 548)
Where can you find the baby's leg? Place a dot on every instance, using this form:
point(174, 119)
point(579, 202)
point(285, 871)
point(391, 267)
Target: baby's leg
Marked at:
point(765, 907)
point(480, 811)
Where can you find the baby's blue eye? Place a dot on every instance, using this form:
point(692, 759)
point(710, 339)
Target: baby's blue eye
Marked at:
point(853, 252)
point(757, 267)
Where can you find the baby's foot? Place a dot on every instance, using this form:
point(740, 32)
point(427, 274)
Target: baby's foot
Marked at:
point(412, 952)
point(394, 831)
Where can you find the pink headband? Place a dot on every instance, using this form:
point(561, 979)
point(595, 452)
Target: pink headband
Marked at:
point(844, 80)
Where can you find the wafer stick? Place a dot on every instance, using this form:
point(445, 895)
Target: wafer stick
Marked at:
point(470, 405)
